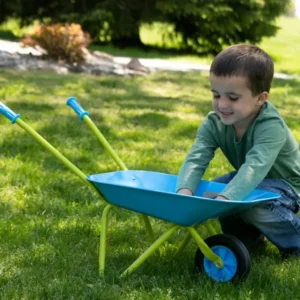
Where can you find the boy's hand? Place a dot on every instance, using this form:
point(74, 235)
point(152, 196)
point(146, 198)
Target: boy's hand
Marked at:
point(206, 194)
point(185, 192)
point(221, 198)
point(213, 195)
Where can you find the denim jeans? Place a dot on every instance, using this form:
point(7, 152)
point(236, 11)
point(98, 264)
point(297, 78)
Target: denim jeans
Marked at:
point(274, 219)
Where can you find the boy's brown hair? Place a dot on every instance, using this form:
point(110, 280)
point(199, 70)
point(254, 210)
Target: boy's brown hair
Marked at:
point(246, 60)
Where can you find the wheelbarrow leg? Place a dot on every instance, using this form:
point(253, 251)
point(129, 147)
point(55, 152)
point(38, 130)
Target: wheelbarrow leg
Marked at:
point(102, 246)
point(150, 250)
point(148, 227)
point(210, 228)
point(208, 253)
point(183, 243)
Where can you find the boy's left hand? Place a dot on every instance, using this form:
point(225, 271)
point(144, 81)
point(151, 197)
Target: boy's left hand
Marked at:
point(221, 198)
point(213, 195)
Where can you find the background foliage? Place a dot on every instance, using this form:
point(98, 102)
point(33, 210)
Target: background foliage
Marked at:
point(200, 26)
point(62, 42)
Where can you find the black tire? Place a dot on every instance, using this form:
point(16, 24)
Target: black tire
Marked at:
point(237, 248)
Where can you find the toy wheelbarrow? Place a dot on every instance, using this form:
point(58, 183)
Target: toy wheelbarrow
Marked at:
point(222, 257)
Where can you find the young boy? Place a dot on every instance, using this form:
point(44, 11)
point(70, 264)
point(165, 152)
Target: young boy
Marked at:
point(258, 144)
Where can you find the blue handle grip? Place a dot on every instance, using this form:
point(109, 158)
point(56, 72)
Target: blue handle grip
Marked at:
point(77, 108)
point(8, 113)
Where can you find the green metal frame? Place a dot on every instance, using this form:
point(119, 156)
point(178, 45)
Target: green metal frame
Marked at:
point(192, 232)
point(82, 176)
point(103, 141)
point(102, 246)
point(119, 162)
point(210, 228)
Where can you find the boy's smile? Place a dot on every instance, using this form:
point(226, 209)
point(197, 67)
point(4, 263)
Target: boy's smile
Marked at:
point(233, 101)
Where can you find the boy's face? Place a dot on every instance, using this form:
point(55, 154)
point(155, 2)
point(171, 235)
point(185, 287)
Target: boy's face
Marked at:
point(233, 100)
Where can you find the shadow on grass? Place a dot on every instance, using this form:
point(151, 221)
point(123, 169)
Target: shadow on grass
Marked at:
point(293, 84)
point(31, 107)
point(153, 120)
point(145, 51)
point(65, 250)
point(187, 131)
point(107, 97)
point(148, 102)
point(88, 153)
point(98, 92)
point(183, 78)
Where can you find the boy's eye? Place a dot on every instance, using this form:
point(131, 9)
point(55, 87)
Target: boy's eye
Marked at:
point(233, 98)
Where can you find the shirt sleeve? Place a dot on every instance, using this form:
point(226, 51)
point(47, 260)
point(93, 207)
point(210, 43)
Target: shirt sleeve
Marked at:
point(198, 158)
point(268, 142)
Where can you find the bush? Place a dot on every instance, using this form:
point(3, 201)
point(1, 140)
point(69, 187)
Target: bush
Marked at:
point(208, 26)
point(64, 42)
point(202, 26)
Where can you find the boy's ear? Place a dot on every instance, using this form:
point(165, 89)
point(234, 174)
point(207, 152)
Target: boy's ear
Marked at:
point(262, 98)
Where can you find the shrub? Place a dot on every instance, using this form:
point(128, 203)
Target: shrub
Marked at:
point(64, 42)
point(208, 26)
point(201, 25)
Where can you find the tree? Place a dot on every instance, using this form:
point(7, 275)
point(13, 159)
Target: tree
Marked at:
point(204, 26)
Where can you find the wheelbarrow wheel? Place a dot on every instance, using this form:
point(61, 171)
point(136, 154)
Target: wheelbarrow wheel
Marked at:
point(234, 254)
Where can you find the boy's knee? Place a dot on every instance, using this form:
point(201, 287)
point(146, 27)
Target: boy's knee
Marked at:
point(257, 214)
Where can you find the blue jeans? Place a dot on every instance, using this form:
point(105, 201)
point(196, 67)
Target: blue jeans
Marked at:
point(275, 219)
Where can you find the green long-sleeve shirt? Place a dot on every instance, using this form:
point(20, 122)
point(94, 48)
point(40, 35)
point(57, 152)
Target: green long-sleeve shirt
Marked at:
point(266, 150)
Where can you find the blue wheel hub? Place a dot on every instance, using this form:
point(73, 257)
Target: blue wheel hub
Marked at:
point(229, 268)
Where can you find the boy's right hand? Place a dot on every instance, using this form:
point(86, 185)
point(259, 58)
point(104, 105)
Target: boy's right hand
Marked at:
point(185, 192)
point(211, 195)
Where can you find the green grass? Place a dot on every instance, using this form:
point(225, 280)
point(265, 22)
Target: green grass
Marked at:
point(50, 221)
point(285, 46)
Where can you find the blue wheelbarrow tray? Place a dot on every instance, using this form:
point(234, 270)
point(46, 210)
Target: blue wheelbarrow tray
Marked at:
point(153, 194)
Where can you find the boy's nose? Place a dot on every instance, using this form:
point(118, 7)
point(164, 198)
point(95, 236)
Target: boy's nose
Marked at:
point(223, 103)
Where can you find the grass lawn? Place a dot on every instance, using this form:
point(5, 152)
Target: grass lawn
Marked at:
point(50, 221)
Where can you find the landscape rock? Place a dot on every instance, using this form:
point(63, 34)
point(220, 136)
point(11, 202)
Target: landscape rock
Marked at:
point(97, 63)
